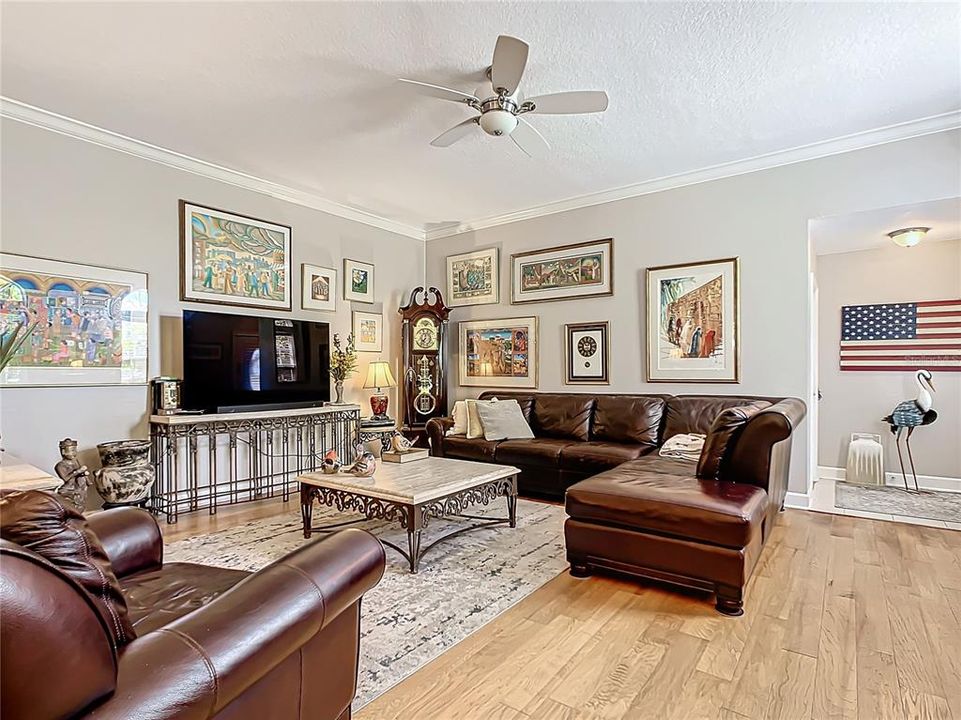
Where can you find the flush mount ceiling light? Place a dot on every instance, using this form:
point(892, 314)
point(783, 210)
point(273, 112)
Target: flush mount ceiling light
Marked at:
point(908, 237)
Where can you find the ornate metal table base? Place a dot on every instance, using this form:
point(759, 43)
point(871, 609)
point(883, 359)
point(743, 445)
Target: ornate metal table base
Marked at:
point(413, 517)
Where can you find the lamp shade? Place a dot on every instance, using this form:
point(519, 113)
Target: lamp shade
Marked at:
point(379, 375)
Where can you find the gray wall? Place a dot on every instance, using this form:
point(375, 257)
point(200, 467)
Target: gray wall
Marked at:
point(72, 200)
point(761, 217)
point(856, 401)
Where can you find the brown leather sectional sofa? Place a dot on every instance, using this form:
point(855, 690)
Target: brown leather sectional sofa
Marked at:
point(631, 510)
point(210, 643)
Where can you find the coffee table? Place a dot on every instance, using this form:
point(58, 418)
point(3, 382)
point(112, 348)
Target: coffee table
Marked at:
point(411, 494)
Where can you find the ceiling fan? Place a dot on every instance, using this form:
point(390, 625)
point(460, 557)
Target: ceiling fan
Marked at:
point(501, 105)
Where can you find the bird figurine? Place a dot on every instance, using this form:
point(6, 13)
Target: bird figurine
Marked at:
point(910, 414)
point(400, 444)
point(364, 462)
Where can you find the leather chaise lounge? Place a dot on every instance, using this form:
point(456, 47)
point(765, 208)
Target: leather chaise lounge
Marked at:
point(210, 642)
point(697, 524)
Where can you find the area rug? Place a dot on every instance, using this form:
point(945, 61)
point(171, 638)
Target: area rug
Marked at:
point(408, 620)
point(898, 501)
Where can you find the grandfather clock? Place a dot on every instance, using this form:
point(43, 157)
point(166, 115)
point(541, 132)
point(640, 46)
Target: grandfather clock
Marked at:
point(425, 361)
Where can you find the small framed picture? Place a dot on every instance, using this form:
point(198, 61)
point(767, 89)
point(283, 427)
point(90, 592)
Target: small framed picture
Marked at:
point(473, 278)
point(358, 281)
point(588, 352)
point(318, 288)
point(368, 331)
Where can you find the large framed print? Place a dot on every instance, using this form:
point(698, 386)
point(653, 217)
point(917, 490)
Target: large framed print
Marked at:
point(231, 259)
point(318, 287)
point(693, 322)
point(498, 353)
point(473, 278)
point(587, 351)
point(89, 323)
point(368, 331)
point(563, 273)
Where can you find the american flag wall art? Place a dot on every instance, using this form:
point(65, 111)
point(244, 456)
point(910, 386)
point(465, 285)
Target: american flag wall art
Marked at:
point(902, 336)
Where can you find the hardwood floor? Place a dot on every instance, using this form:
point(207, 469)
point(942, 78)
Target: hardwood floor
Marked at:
point(845, 618)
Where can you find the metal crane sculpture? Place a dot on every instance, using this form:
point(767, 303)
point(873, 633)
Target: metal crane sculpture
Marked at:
point(910, 414)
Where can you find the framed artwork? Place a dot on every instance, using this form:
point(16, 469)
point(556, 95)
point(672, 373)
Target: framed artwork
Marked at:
point(368, 331)
point(588, 349)
point(231, 259)
point(89, 323)
point(473, 278)
point(318, 287)
point(498, 353)
point(563, 273)
point(693, 314)
point(358, 281)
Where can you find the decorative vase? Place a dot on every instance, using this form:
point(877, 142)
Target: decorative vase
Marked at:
point(127, 473)
point(339, 389)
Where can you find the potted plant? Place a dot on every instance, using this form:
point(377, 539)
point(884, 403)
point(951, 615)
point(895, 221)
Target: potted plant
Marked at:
point(343, 364)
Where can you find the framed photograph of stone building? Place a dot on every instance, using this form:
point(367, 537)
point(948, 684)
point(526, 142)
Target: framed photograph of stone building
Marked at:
point(693, 315)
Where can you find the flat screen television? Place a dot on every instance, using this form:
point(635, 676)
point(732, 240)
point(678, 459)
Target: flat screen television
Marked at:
point(237, 363)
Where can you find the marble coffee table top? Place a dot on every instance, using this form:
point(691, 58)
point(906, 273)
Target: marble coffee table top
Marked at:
point(414, 482)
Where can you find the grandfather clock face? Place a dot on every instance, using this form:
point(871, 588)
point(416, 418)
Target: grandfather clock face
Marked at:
point(426, 335)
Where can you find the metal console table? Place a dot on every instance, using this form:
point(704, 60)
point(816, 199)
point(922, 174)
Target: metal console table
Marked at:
point(205, 461)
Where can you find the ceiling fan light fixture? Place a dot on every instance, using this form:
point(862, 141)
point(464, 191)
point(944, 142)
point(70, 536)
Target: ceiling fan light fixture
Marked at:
point(908, 237)
point(498, 122)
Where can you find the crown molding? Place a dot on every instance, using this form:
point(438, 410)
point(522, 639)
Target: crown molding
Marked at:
point(38, 117)
point(803, 153)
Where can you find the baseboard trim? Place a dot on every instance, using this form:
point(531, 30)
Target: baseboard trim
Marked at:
point(925, 482)
point(798, 501)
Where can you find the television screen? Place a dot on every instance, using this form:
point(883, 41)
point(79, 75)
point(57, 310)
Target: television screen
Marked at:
point(234, 363)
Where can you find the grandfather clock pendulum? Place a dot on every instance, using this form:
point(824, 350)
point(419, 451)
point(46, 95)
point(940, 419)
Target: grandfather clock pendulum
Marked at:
point(425, 361)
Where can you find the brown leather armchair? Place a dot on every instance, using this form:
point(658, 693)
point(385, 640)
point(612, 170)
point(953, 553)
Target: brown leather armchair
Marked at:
point(279, 643)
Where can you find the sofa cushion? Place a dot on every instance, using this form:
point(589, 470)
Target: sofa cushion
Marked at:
point(640, 495)
point(57, 531)
point(545, 452)
point(627, 419)
point(460, 447)
point(158, 597)
point(563, 416)
point(725, 429)
point(597, 456)
point(695, 413)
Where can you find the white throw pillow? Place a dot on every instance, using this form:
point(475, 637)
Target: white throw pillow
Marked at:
point(459, 414)
point(504, 420)
point(475, 428)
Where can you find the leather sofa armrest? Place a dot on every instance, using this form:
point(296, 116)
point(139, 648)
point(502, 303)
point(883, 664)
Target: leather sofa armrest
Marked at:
point(131, 538)
point(436, 431)
point(195, 666)
point(752, 460)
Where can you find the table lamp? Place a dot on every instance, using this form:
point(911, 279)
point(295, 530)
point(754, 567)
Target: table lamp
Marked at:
point(379, 376)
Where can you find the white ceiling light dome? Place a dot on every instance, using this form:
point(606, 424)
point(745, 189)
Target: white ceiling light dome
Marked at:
point(498, 122)
point(908, 237)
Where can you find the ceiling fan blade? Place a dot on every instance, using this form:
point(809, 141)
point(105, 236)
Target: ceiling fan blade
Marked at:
point(569, 103)
point(458, 132)
point(441, 92)
point(526, 137)
point(510, 59)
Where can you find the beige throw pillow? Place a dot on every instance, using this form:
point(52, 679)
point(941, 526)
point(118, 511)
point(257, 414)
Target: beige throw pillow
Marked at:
point(475, 427)
point(503, 420)
point(459, 414)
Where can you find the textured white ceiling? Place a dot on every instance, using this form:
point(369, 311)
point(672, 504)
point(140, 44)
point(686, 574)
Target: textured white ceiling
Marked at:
point(868, 230)
point(304, 93)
